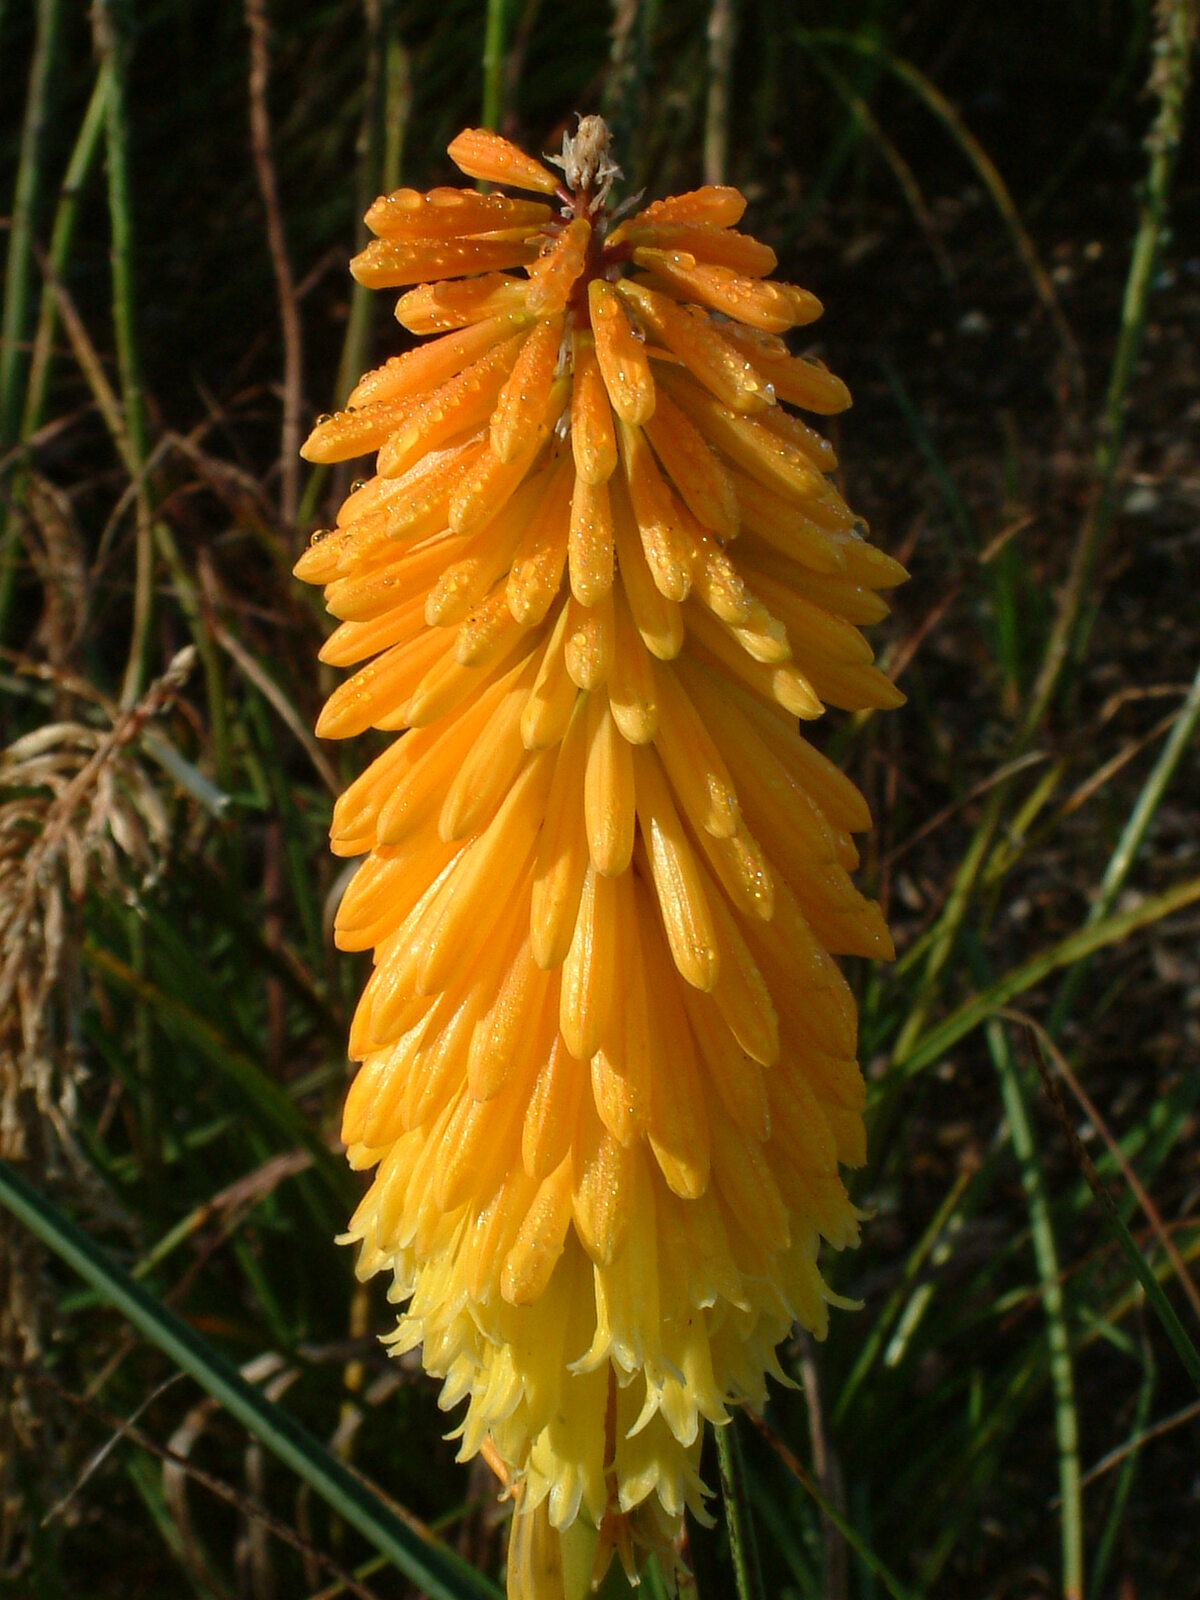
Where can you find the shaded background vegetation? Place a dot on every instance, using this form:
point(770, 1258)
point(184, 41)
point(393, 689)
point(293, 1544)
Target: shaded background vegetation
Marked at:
point(966, 187)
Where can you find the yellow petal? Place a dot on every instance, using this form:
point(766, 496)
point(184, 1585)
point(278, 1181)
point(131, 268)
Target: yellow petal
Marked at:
point(553, 1111)
point(608, 796)
point(658, 620)
point(562, 853)
point(589, 641)
point(632, 692)
point(552, 698)
point(589, 968)
point(590, 547)
point(677, 875)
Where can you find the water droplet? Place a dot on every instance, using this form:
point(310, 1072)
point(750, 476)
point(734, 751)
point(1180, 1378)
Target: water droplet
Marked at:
point(358, 485)
point(319, 534)
point(326, 416)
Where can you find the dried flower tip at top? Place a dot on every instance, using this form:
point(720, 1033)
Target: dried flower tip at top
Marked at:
point(587, 162)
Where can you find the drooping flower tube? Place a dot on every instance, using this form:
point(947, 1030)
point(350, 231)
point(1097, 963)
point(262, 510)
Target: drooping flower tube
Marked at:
point(608, 1066)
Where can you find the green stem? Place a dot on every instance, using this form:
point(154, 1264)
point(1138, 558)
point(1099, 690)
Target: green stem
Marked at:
point(18, 271)
point(743, 1550)
point(427, 1562)
point(722, 28)
point(494, 38)
point(1129, 843)
point(1062, 1379)
point(967, 1017)
point(112, 47)
point(1169, 79)
point(61, 237)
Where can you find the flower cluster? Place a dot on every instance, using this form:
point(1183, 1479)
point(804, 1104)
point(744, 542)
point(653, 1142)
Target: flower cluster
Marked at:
point(607, 1060)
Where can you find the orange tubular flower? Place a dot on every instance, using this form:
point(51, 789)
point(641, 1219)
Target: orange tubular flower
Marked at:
point(608, 1062)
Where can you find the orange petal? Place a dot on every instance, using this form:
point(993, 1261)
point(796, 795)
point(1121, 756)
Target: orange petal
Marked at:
point(462, 405)
point(590, 548)
point(589, 641)
point(632, 692)
point(431, 364)
point(593, 441)
point(553, 275)
point(435, 307)
point(704, 485)
point(659, 621)
point(659, 524)
point(522, 401)
point(621, 354)
point(562, 854)
point(391, 263)
point(450, 213)
point(706, 353)
point(716, 204)
point(482, 154)
point(715, 246)
point(537, 565)
point(774, 307)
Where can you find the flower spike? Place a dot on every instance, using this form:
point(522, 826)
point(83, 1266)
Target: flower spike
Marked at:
point(607, 1066)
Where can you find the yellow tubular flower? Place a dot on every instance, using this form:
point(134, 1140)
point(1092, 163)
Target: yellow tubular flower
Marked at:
point(607, 1060)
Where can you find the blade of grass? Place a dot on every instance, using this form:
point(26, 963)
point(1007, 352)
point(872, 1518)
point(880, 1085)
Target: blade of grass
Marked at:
point(494, 38)
point(18, 267)
point(245, 1074)
point(722, 30)
point(109, 26)
point(285, 283)
point(61, 235)
point(739, 1524)
point(1143, 1271)
point(1128, 845)
point(1132, 1450)
point(1045, 1254)
point(985, 168)
point(1169, 81)
point(846, 1528)
point(933, 1045)
point(405, 1541)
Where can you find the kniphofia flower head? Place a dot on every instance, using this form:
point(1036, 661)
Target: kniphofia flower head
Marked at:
point(607, 1059)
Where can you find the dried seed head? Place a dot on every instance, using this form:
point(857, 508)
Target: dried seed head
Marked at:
point(587, 161)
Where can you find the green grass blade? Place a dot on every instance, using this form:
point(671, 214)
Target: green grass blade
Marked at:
point(261, 1091)
point(987, 1002)
point(1045, 1252)
point(440, 1573)
point(738, 1522)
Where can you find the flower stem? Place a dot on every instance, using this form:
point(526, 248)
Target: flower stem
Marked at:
point(743, 1549)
